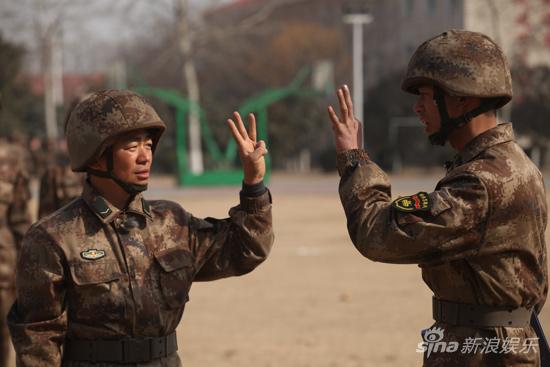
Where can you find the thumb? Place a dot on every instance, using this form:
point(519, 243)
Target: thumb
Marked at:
point(259, 150)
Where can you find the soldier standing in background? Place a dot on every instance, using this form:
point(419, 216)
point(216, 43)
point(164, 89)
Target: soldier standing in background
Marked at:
point(59, 184)
point(15, 219)
point(479, 237)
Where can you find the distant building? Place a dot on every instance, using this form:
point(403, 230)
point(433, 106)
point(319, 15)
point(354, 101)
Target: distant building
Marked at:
point(74, 85)
point(521, 27)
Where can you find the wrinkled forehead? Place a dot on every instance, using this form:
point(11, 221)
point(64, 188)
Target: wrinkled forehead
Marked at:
point(135, 135)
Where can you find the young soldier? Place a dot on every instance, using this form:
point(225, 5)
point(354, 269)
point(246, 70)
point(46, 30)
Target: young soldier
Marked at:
point(479, 237)
point(104, 280)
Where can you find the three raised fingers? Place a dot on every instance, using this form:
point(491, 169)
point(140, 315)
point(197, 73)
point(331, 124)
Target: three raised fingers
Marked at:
point(346, 107)
point(238, 129)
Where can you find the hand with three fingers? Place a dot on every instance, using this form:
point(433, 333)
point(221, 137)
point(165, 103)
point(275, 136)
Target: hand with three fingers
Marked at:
point(251, 151)
point(345, 126)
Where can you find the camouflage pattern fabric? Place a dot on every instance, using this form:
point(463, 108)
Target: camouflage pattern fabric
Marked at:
point(463, 63)
point(15, 219)
point(58, 185)
point(92, 271)
point(478, 238)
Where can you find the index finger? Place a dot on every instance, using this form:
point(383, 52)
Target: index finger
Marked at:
point(240, 125)
point(333, 116)
point(238, 137)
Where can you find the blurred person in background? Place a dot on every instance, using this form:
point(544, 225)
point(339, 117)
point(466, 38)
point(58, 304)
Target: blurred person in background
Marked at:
point(20, 146)
point(104, 280)
point(59, 185)
point(479, 237)
point(15, 219)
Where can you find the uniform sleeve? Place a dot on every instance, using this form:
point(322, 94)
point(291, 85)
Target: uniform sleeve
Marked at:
point(38, 319)
point(452, 226)
point(236, 245)
point(19, 215)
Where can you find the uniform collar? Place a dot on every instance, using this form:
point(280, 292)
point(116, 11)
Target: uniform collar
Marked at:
point(107, 212)
point(499, 134)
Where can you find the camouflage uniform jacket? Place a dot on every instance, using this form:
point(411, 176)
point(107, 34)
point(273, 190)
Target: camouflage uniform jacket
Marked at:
point(478, 238)
point(92, 271)
point(15, 216)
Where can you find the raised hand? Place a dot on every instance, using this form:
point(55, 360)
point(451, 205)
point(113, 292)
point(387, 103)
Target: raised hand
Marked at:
point(251, 151)
point(346, 127)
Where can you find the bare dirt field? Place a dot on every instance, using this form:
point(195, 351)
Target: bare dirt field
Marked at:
point(316, 302)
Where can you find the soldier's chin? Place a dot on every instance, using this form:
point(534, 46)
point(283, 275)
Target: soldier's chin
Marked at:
point(141, 181)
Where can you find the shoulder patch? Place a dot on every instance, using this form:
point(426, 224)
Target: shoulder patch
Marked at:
point(417, 202)
point(92, 254)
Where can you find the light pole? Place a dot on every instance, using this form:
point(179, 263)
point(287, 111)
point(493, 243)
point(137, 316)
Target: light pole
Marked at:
point(358, 14)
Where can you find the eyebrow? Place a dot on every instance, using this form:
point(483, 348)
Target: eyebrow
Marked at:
point(135, 138)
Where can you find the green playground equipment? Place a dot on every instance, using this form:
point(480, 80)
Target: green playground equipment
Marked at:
point(225, 172)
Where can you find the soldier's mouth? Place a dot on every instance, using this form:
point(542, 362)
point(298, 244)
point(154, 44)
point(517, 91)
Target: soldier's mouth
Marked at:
point(142, 174)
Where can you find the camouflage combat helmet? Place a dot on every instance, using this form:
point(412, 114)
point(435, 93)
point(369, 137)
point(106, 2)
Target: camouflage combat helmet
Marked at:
point(96, 121)
point(460, 63)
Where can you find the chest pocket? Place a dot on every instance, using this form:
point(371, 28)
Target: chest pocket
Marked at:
point(97, 291)
point(176, 276)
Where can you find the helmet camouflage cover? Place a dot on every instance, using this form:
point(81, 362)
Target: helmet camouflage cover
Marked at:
point(97, 120)
point(462, 63)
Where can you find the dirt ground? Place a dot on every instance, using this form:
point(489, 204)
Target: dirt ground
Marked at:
point(316, 301)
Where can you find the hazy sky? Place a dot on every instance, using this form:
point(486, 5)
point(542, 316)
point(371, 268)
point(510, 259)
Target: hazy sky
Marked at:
point(91, 30)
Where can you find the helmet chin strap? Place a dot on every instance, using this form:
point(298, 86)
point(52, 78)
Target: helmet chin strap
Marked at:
point(448, 124)
point(131, 189)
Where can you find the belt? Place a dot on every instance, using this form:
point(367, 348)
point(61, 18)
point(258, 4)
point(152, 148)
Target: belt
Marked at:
point(131, 350)
point(463, 314)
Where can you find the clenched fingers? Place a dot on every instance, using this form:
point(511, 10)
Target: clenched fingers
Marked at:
point(259, 151)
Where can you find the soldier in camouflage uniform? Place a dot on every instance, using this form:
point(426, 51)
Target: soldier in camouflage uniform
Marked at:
point(59, 184)
point(104, 280)
point(15, 219)
point(479, 237)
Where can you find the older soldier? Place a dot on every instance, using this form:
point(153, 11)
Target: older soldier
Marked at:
point(15, 219)
point(104, 281)
point(479, 237)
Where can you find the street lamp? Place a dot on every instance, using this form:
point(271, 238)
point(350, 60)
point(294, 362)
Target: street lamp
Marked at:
point(357, 13)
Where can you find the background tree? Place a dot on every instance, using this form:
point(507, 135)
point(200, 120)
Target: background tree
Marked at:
point(21, 111)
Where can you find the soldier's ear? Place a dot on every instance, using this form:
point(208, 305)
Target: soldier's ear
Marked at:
point(99, 164)
point(469, 103)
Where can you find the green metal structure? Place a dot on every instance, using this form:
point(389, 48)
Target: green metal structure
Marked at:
point(225, 173)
